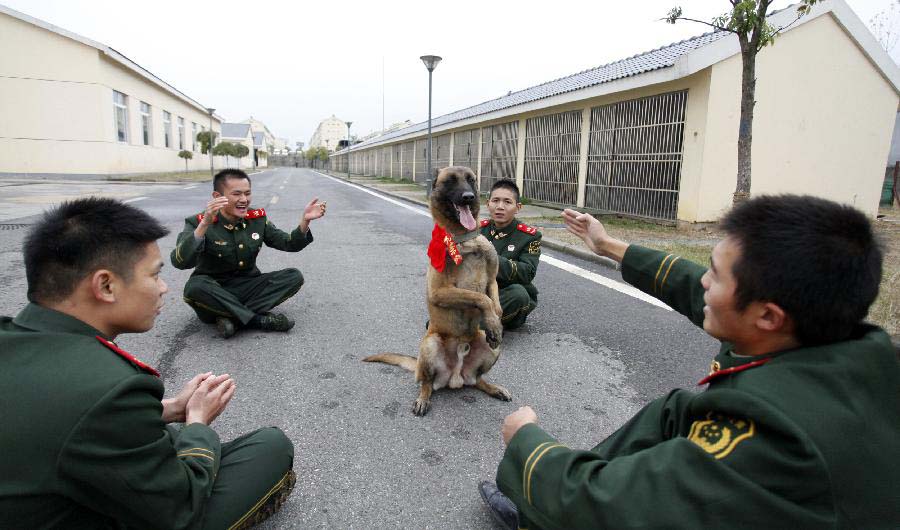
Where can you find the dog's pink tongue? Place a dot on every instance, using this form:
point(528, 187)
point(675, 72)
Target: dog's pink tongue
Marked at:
point(465, 218)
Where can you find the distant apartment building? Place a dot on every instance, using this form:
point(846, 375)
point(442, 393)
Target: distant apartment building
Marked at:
point(329, 132)
point(71, 105)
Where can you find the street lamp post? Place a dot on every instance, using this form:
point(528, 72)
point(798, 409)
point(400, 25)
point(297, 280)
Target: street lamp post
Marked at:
point(431, 62)
point(212, 171)
point(349, 123)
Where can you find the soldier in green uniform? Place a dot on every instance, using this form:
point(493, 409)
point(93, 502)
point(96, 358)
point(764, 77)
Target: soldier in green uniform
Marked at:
point(519, 249)
point(221, 245)
point(798, 426)
point(87, 441)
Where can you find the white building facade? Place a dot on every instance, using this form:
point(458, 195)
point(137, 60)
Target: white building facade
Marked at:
point(329, 132)
point(70, 105)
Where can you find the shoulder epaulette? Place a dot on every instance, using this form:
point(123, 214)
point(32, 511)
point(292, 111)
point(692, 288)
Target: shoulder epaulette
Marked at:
point(201, 215)
point(485, 222)
point(530, 230)
point(127, 356)
point(253, 214)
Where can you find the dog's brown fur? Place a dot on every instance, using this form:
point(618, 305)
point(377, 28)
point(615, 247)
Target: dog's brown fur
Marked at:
point(454, 351)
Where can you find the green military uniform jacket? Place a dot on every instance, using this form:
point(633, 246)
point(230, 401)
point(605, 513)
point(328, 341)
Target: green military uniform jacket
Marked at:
point(83, 440)
point(805, 438)
point(519, 249)
point(230, 249)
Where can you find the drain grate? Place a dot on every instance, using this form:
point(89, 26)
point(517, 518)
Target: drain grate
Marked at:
point(13, 226)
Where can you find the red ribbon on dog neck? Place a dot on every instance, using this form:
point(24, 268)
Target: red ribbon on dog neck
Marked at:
point(441, 245)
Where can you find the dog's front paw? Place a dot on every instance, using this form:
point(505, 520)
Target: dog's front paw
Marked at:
point(421, 406)
point(501, 393)
point(493, 333)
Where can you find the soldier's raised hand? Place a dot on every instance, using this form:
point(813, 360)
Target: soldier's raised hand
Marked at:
point(314, 209)
point(212, 208)
point(210, 399)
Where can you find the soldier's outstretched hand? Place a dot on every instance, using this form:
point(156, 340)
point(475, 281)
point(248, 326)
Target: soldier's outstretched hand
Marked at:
point(588, 228)
point(314, 209)
point(210, 399)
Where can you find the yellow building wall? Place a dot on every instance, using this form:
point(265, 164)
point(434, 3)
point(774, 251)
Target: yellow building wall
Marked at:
point(822, 126)
point(57, 107)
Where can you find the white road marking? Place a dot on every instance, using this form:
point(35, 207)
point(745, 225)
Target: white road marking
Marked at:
point(274, 200)
point(190, 187)
point(281, 187)
point(621, 287)
point(136, 199)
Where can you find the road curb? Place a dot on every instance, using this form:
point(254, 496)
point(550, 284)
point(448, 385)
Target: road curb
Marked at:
point(548, 242)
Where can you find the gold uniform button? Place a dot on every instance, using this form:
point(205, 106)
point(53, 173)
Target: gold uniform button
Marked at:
point(241, 245)
point(240, 263)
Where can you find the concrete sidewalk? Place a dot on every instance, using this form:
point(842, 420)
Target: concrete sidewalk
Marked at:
point(538, 216)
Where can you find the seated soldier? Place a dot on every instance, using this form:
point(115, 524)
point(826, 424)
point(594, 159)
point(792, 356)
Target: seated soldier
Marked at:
point(221, 244)
point(797, 425)
point(519, 249)
point(86, 441)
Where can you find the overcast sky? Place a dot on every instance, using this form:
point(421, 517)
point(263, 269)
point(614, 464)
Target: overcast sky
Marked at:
point(292, 64)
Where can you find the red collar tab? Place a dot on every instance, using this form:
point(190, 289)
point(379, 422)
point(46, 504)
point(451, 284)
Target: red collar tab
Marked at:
point(130, 358)
point(733, 370)
point(485, 222)
point(253, 214)
point(441, 245)
point(200, 218)
point(527, 229)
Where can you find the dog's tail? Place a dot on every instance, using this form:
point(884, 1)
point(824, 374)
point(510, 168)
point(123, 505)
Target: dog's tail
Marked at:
point(407, 362)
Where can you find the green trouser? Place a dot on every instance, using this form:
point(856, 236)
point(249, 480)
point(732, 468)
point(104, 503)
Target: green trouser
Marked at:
point(240, 297)
point(517, 302)
point(252, 468)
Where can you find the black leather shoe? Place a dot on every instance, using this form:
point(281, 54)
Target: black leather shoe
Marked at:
point(275, 322)
point(502, 509)
point(226, 327)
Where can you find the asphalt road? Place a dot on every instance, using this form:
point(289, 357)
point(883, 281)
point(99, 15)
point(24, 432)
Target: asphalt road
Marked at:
point(589, 357)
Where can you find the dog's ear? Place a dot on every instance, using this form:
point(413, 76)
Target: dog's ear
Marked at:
point(434, 178)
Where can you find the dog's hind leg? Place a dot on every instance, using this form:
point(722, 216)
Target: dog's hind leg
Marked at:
point(495, 391)
point(456, 380)
point(423, 402)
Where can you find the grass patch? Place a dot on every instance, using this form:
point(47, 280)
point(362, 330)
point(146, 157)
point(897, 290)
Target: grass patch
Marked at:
point(886, 310)
point(174, 176)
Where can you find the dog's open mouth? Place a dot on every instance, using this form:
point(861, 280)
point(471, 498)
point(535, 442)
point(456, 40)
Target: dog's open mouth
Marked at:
point(465, 217)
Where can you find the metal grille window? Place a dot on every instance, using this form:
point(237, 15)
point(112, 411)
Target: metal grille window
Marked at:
point(421, 160)
point(167, 128)
point(634, 161)
point(395, 162)
point(408, 151)
point(180, 132)
point(385, 162)
point(499, 145)
point(120, 115)
point(551, 157)
point(146, 123)
point(372, 163)
point(440, 151)
point(465, 149)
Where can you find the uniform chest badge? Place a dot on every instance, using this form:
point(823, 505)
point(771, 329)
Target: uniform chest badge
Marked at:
point(220, 242)
point(254, 235)
point(511, 248)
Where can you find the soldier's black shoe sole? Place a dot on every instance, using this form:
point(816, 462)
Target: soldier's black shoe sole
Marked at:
point(502, 509)
point(225, 327)
point(272, 504)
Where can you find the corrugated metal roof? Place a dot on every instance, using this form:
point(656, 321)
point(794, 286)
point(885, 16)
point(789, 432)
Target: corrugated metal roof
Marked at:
point(645, 62)
point(235, 130)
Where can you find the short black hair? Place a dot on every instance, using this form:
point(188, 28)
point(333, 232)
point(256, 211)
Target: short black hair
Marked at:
point(818, 260)
point(508, 184)
point(222, 176)
point(76, 238)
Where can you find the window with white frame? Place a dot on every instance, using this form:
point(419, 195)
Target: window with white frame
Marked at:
point(167, 128)
point(120, 112)
point(146, 123)
point(180, 133)
point(193, 136)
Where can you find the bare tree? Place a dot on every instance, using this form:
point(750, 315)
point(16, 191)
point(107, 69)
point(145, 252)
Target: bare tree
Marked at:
point(747, 20)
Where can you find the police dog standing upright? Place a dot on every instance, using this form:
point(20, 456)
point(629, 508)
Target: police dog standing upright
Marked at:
point(462, 297)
